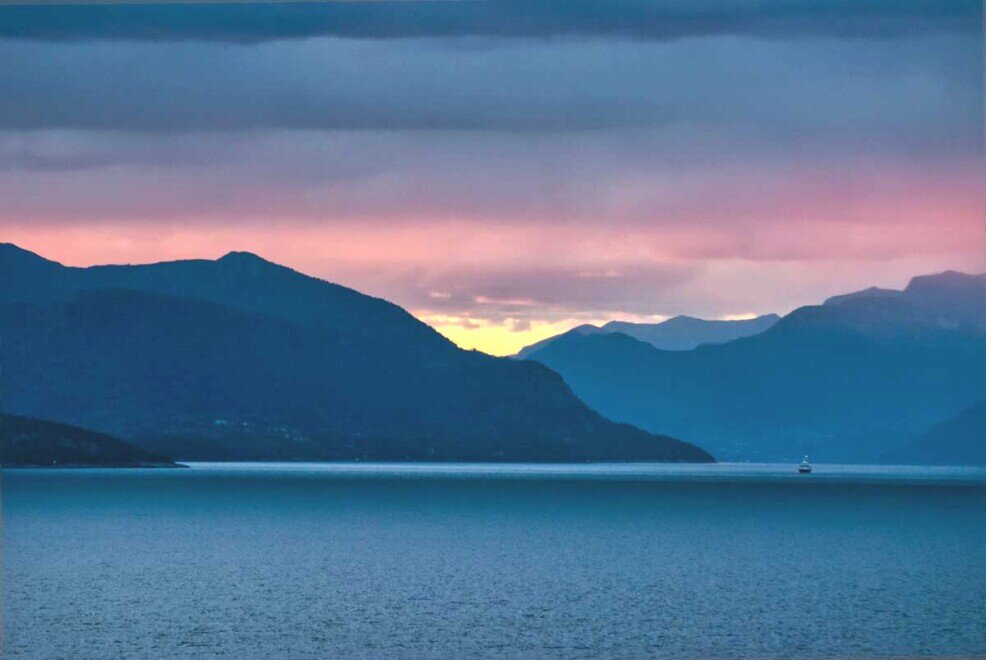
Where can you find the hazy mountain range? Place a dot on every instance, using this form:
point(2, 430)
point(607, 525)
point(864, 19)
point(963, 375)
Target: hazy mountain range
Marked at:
point(849, 380)
point(679, 333)
point(243, 359)
point(959, 440)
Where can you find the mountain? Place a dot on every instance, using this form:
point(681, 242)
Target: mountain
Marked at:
point(585, 329)
point(35, 442)
point(683, 333)
point(680, 333)
point(872, 292)
point(243, 359)
point(960, 440)
point(843, 381)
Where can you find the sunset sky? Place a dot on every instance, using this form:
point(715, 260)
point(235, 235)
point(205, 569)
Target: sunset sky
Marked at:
point(507, 169)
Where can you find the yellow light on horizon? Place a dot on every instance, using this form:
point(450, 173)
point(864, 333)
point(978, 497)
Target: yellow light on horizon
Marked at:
point(496, 338)
point(507, 337)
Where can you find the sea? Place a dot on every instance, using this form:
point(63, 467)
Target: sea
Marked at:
point(522, 561)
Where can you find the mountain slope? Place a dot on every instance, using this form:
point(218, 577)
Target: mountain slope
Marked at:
point(585, 329)
point(35, 442)
point(841, 381)
point(239, 280)
point(683, 333)
point(680, 333)
point(960, 440)
point(241, 359)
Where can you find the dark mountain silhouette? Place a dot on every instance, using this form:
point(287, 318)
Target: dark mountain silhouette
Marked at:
point(239, 280)
point(680, 333)
point(960, 440)
point(242, 359)
point(35, 442)
point(843, 381)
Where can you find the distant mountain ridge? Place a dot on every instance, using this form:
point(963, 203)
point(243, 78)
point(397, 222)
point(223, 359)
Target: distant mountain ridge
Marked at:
point(679, 333)
point(243, 359)
point(846, 380)
point(871, 292)
point(959, 440)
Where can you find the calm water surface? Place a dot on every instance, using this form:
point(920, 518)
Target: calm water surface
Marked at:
point(306, 560)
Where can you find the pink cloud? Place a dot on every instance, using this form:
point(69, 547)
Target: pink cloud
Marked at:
point(513, 232)
point(541, 270)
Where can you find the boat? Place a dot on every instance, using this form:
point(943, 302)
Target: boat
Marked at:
point(804, 467)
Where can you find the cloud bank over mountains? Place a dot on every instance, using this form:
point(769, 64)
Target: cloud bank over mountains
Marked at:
point(507, 165)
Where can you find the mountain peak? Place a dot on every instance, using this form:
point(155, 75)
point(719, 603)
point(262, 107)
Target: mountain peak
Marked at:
point(248, 263)
point(237, 256)
point(684, 317)
point(949, 279)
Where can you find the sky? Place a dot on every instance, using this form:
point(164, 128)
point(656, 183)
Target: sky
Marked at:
point(507, 169)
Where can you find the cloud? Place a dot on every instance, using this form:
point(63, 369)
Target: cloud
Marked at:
point(536, 271)
point(910, 91)
point(521, 293)
point(641, 19)
point(729, 194)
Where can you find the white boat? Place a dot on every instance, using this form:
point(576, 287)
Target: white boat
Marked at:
point(804, 467)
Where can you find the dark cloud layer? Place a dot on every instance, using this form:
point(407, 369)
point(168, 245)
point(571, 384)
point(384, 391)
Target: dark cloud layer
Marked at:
point(645, 19)
point(861, 91)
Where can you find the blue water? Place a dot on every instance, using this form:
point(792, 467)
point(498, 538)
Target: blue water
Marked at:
point(287, 561)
